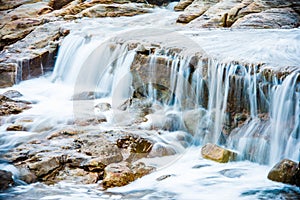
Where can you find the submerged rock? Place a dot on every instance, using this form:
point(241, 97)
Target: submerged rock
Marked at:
point(286, 171)
point(6, 180)
point(216, 153)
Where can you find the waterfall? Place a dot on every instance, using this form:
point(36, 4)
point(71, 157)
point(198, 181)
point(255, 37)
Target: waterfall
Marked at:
point(285, 126)
point(233, 96)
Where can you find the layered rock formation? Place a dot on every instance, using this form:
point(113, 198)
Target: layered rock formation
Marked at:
point(239, 13)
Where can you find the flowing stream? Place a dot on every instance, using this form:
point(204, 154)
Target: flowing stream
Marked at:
point(96, 59)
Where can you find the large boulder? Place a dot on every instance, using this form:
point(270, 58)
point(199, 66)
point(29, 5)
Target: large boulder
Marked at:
point(217, 153)
point(286, 171)
point(6, 180)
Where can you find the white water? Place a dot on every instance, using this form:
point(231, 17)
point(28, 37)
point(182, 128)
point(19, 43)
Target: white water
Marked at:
point(88, 63)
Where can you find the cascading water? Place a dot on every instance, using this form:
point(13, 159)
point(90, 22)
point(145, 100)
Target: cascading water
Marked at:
point(235, 105)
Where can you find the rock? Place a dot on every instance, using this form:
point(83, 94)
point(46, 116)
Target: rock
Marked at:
point(194, 10)
point(103, 154)
point(286, 171)
point(191, 119)
point(26, 175)
point(103, 107)
point(271, 18)
point(182, 5)
point(44, 40)
point(216, 153)
point(20, 22)
point(163, 177)
point(6, 180)
point(159, 150)
point(7, 74)
point(77, 175)
point(172, 123)
point(12, 94)
point(137, 147)
point(58, 4)
point(114, 10)
point(46, 166)
point(15, 127)
point(120, 174)
point(9, 106)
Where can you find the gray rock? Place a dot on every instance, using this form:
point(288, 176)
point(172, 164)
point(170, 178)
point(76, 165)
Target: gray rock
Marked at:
point(6, 180)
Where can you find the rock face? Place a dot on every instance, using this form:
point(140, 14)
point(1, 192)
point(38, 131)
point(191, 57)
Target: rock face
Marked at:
point(286, 171)
point(216, 153)
point(239, 13)
point(6, 180)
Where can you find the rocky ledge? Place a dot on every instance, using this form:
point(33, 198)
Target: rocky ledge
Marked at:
point(239, 13)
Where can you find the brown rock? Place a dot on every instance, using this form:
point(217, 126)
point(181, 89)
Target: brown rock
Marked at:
point(6, 180)
point(286, 171)
point(120, 174)
point(58, 4)
point(182, 5)
point(15, 127)
point(216, 153)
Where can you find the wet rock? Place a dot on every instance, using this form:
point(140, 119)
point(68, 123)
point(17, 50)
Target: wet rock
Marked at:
point(159, 150)
point(58, 4)
point(271, 18)
point(26, 175)
point(286, 171)
point(103, 107)
point(232, 173)
point(216, 153)
point(77, 175)
point(137, 147)
point(191, 119)
point(120, 174)
point(6, 180)
point(172, 123)
point(102, 155)
point(7, 74)
point(9, 106)
point(15, 127)
point(163, 177)
point(12, 94)
point(46, 166)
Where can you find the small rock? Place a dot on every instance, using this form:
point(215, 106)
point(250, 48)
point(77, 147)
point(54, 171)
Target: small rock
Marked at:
point(286, 171)
point(12, 94)
point(216, 153)
point(6, 180)
point(15, 127)
point(163, 177)
point(103, 107)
